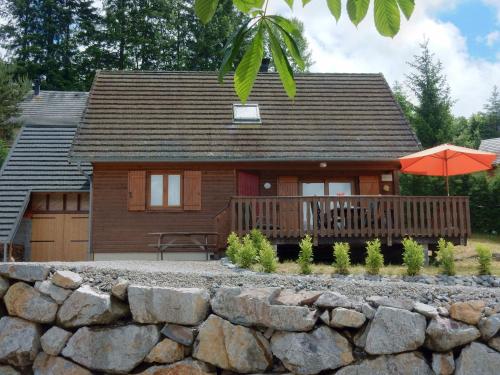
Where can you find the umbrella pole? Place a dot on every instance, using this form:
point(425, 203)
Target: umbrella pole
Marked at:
point(447, 186)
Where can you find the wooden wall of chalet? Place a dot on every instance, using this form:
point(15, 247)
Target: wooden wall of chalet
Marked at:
point(117, 229)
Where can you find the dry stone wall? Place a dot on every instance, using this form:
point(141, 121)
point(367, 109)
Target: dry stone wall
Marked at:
point(52, 324)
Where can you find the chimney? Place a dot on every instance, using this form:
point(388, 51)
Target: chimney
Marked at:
point(264, 66)
point(36, 84)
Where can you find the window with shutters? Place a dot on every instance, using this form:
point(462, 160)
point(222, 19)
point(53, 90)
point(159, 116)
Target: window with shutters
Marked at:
point(164, 190)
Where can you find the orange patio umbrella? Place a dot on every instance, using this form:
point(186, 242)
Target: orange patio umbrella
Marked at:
point(447, 160)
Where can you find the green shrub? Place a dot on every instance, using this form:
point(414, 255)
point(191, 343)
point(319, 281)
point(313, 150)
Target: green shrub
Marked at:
point(484, 258)
point(247, 254)
point(342, 258)
point(305, 255)
point(374, 259)
point(413, 256)
point(446, 257)
point(257, 238)
point(268, 260)
point(233, 246)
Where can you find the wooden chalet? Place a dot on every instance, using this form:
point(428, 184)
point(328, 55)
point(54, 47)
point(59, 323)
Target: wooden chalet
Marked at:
point(176, 152)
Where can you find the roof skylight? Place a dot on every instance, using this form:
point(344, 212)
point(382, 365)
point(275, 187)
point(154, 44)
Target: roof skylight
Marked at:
point(246, 113)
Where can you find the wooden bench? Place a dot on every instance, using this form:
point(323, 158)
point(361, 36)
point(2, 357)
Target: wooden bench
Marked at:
point(184, 240)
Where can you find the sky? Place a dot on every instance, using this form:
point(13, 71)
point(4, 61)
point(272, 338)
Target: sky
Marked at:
point(463, 34)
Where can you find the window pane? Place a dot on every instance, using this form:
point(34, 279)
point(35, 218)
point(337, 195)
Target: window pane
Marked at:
point(174, 190)
point(248, 112)
point(156, 190)
point(311, 189)
point(339, 188)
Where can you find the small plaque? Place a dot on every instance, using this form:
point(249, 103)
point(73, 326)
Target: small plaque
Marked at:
point(387, 177)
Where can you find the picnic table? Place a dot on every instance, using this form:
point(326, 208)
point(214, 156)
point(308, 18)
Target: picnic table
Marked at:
point(184, 240)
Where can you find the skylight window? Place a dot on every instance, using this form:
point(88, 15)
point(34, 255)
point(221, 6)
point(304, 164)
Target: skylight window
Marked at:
point(246, 113)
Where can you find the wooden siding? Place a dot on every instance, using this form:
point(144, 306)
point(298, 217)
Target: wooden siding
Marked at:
point(116, 229)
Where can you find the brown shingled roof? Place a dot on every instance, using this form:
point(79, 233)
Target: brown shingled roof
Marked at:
point(188, 116)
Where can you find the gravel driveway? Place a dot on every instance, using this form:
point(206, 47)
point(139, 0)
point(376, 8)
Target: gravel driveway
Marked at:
point(212, 274)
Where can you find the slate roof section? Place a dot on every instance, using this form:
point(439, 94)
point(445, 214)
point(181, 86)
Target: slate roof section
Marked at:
point(53, 108)
point(187, 116)
point(38, 161)
point(491, 145)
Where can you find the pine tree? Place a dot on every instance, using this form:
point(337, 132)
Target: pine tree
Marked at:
point(12, 91)
point(433, 119)
point(46, 37)
point(404, 102)
point(492, 108)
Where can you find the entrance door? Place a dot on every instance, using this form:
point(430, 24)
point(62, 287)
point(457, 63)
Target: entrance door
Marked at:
point(59, 237)
point(288, 186)
point(248, 184)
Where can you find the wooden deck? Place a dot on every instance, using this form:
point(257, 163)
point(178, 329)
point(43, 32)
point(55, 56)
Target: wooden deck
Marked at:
point(390, 218)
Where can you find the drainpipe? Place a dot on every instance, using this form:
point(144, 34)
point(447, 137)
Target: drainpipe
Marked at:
point(5, 252)
point(88, 176)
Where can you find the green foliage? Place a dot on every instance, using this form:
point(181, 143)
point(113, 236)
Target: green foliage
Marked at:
point(268, 260)
point(4, 150)
point(374, 259)
point(413, 256)
point(283, 45)
point(205, 9)
point(446, 257)
point(247, 254)
point(484, 259)
point(492, 114)
point(432, 120)
point(12, 91)
point(335, 7)
point(342, 258)
point(233, 246)
point(357, 10)
point(258, 239)
point(305, 255)
point(68, 41)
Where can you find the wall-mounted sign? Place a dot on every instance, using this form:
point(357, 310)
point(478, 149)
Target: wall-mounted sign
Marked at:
point(387, 177)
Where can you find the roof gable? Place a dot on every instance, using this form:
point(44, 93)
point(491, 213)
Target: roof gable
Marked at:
point(172, 116)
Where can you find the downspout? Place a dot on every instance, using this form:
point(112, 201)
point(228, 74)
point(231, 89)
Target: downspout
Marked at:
point(88, 176)
point(5, 252)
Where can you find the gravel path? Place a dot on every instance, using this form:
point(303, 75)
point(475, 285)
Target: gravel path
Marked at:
point(213, 274)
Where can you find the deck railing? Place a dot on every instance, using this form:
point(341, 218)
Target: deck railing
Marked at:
point(352, 216)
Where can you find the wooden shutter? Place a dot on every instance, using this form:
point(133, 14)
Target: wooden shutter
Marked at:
point(369, 185)
point(288, 186)
point(192, 190)
point(137, 190)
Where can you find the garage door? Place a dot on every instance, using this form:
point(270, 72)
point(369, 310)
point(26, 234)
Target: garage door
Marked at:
point(59, 237)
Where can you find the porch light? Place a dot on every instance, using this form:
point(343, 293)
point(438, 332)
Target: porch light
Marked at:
point(323, 165)
point(267, 185)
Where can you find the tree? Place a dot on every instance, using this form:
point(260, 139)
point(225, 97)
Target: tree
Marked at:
point(492, 108)
point(164, 35)
point(432, 120)
point(404, 102)
point(46, 37)
point(281, 35)
point(12, 91)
